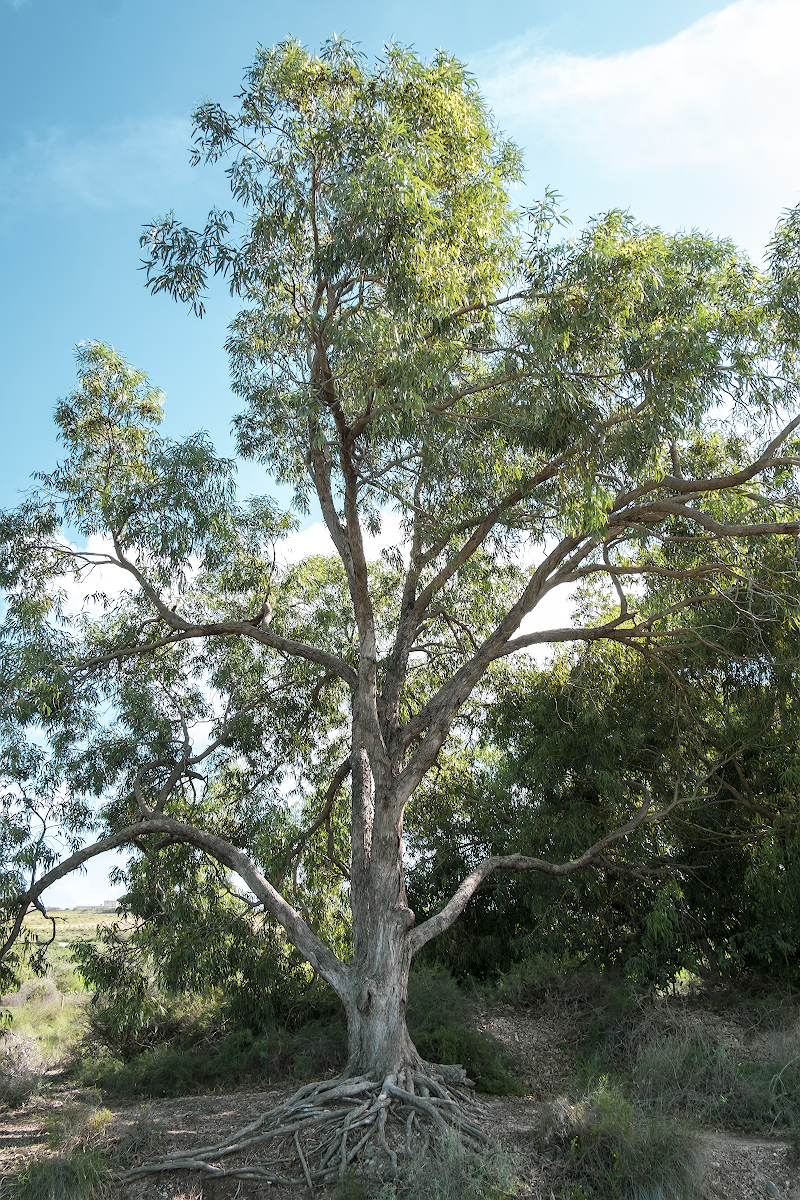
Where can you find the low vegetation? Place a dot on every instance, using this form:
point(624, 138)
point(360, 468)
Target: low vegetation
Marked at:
point(648, 1071)
point(76, 1164)
point(449, 1172)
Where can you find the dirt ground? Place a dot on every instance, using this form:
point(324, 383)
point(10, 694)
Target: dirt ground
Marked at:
point(735, 1168)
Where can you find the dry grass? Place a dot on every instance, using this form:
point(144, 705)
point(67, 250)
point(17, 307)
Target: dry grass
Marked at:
point(46, 1032)
point(75, 1165)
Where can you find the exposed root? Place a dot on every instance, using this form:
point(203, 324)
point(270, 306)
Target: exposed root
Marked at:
point(315, 1135)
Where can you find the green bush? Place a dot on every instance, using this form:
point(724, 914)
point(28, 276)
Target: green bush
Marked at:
point(605, 1149)
point(194, 1059)
point(46, 1028)
point(471, 1050)
point(545, 977)
point(169, 1070)
point(435, 998)
point(156, 1020)
point(438, 1010)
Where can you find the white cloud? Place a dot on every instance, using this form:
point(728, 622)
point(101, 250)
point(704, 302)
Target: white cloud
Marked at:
point(316, 540)
point(103, 579)
point(700, 129)
point(123, 165)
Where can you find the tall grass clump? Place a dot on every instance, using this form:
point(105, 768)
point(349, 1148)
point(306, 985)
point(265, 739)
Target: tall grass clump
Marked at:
point(602, 1148)
point(685, 1070)
point(75, 1165)
point(79, 1175)
point(449, 1171)
point(452, 1172)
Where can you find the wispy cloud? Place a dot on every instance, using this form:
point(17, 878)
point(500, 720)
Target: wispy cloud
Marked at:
point(121, 166)
point(707, 121)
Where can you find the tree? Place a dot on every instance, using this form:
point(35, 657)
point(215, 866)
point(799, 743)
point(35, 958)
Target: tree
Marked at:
point(547, 762)
point(536, 414)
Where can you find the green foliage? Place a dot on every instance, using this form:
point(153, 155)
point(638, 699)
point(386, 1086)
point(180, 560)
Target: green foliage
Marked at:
point(158, 1044)
point(532, 982)
point(437, 1015)
point(471, 1050)
point(314, 1049)
point(44, 1034)
point(566, 754)
point(433, 996)
point(608, 1150)
point(351, 1188)
point(725, 1056)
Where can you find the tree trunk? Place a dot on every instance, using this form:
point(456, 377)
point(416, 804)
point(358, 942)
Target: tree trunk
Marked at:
point(377, 1036)
point(378, 1040)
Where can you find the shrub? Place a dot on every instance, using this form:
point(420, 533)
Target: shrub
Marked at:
point(156, 1020)
point(471, 1050)
point(687, 1070)
point(563, 980)
point(604, 1148)
point(139, 1138)
point(437, 1013)
point(315, 1049)
point(22, 1071)
point(45, 1030)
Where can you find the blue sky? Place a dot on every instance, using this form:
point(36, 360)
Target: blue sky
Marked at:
point(685, 113)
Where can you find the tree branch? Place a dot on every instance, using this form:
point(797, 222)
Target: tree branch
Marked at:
point(520, 862)
point(262, 634)
point(298, 932)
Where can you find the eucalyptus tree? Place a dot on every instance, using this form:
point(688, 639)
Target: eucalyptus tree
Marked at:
point(534, 413)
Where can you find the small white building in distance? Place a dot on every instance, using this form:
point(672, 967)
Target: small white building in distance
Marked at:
point(109, 904)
